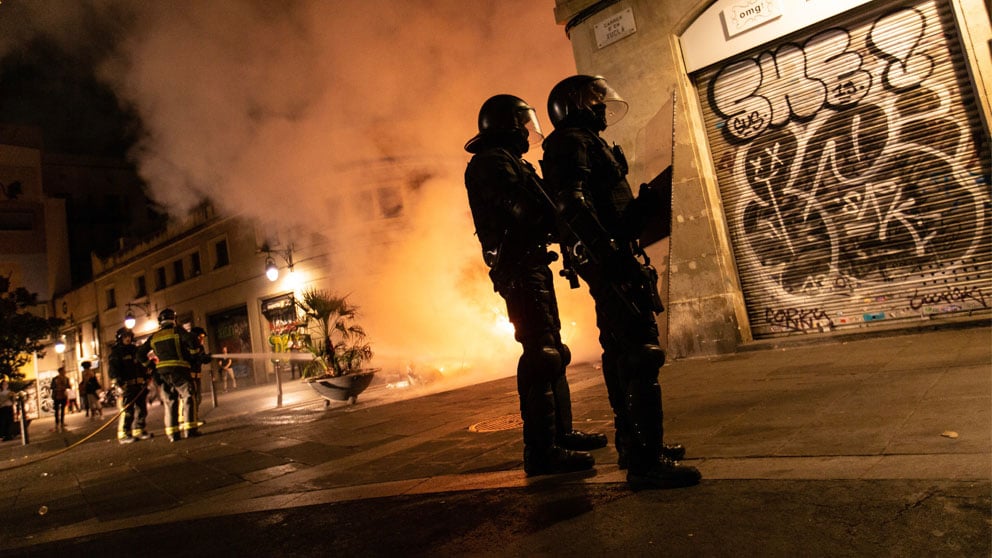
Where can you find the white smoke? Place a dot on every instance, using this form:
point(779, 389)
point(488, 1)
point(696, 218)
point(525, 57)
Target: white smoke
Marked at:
point(275, 111)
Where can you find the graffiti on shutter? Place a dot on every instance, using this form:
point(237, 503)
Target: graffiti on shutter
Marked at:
point(854, 172)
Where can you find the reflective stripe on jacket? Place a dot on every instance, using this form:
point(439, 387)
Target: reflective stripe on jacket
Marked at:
point(171, 347)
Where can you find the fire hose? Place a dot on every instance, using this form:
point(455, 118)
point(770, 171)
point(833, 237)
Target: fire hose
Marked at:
point(101, 428)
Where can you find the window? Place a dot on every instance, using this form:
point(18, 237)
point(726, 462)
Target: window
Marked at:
point(140, 287)
point(159, 278)
point(221, 257)
point(194, 264)
point(178, 272)
point(111, 299)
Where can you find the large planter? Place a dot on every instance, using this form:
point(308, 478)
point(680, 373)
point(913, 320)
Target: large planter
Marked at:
point(343, 388)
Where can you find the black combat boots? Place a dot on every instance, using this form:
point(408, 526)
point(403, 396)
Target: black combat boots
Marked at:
point(555, 461)
point(673, 452)
point(581, 441)
point(664, 473)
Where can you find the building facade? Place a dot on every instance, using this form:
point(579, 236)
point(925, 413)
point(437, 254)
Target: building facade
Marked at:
point(34, 250)
point(830, 158)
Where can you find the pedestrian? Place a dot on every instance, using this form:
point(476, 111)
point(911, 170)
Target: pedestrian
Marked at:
point(171, 350)
point(600, 222)
point(227, 370)
point(60, 399)
point(72, 395)
point(132, 377)
point(6, 411)
point(92, 389)
point(514, 222)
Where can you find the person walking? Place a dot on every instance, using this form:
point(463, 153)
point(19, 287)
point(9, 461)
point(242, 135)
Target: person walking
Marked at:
point(600, 222)
point(171, 350)
point(514, 226)
point(60, 398)
point(92, 389)
point(132, 377)
point(72, 394)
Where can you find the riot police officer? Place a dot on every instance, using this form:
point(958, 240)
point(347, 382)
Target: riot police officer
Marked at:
point(132, 378)
point(600, 221)
point(514, 226)
point(171, 350)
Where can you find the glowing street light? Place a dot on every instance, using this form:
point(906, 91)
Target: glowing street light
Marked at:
point(129, 320)
point(271, 270)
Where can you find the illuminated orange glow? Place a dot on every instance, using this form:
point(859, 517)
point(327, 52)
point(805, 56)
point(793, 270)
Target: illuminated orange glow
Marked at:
point(314, 115)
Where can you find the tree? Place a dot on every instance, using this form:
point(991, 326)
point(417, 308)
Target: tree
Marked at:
point(21, 332)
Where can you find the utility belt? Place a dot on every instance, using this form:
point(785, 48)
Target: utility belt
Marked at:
point(505, 273)
point(133, 382)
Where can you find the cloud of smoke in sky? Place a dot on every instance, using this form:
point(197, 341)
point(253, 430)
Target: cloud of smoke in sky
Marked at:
point(278, 111)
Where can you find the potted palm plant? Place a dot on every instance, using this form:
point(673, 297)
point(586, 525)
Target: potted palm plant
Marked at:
point(340, 348)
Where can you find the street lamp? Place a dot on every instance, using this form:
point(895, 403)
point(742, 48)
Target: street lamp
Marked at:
point(60, 345)
point(129, 319)
point(271, 268)
point(271, 271)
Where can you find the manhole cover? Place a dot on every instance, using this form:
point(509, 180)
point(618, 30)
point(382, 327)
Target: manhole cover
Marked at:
point(506, 422)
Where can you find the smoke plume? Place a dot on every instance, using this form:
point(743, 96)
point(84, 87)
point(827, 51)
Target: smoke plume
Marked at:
point(296, 113)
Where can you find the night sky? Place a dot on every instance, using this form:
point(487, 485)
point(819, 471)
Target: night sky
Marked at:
point(51, 86)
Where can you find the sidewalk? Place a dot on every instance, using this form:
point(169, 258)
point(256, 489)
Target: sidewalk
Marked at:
point(813, 439)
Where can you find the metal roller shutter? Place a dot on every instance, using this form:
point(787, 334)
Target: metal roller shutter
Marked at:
point(854, 171)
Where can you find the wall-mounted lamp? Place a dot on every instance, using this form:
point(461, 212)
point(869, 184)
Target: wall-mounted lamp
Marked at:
point(60, 345)
point(129, 320)
point(271, 269)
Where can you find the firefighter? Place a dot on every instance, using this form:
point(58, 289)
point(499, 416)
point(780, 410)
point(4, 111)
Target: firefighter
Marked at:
point(600, 220)
point(171, 350)
point(132, 378)
point(196, 367)
point(514, 225)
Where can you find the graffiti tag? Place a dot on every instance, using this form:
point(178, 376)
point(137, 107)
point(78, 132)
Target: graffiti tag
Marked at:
point(798, 319)
point(954, 294)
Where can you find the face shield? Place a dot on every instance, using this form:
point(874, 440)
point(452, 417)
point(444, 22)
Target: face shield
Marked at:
point(527, 119)
point(596, 96)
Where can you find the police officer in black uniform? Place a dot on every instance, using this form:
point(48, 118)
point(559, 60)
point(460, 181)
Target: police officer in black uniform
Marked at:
point(514, 222)
point(173, 349)
point(600, 221)
point(132, 377)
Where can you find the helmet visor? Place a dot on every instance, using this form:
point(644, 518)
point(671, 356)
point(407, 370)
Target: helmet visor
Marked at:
point(527, 118)
point(598, 92)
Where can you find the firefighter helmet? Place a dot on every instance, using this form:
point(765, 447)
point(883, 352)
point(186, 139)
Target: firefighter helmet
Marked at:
point(124, 332)
point(585, 101)
point(509, 121)
point(167, 318)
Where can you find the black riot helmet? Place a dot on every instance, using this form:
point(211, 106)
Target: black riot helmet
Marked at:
point(167, 318)
point(124, 332)
point(506, 121)
point(585, 102)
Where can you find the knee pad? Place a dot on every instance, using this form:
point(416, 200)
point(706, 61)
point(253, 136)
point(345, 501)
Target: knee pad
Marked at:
point(540, 362)
point(647, 358)
point(566, 354)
